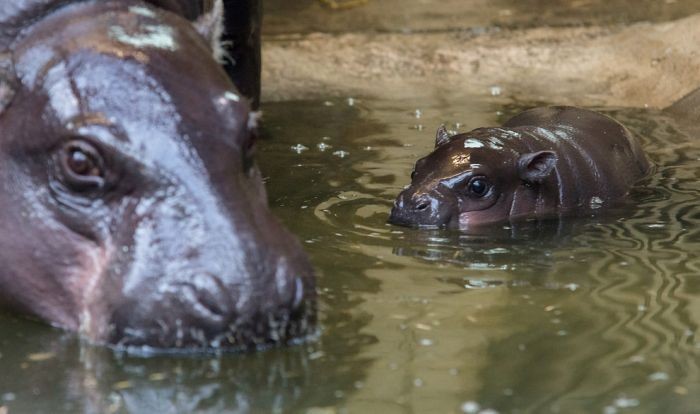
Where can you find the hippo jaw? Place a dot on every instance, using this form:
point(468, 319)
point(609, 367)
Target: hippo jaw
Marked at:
point(126, 176)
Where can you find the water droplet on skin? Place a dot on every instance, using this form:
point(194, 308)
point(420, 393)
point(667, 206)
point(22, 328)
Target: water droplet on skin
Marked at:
point(351, 101)
point(323, 146)
point(328, 103)
point(298, 148)
point(418, 113)
point(418, 382)
point(495, 91)
point(426, 342)
point(341, 154)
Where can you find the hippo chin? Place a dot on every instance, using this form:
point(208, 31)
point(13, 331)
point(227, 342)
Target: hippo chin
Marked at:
point(132, 210)
point(543, 162)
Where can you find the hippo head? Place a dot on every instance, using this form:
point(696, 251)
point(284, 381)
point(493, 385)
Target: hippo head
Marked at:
point(469, 180)
point(130, 206)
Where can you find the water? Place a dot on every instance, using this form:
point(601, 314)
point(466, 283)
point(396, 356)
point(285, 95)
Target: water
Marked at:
point(595, 314)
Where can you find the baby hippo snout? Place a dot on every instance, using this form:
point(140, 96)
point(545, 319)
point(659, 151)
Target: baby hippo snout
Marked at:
point(426, 208)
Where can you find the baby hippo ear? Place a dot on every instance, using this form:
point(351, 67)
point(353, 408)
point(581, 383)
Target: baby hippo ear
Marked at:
point(211, 26)
point(536, 166)
point(442, 136)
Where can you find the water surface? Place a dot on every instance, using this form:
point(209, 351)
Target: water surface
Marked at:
point(595, 314)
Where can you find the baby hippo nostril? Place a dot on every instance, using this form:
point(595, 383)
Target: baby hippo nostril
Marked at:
point(422, 206)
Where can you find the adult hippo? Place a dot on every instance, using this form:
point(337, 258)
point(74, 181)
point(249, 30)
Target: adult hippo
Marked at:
point(545, 161)
point(132, 210)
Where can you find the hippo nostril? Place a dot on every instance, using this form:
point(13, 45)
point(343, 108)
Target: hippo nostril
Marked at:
point(205, 295)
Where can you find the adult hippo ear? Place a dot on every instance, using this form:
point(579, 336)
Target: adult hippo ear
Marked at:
point(211, 26)
point(534, 167)
point(442, 136)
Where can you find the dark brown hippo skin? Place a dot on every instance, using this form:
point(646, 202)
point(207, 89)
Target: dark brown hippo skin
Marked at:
point(131, 208)
point(240, 34)
point(543, 162)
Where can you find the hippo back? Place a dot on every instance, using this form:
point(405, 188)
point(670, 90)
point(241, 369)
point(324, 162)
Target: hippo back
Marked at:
point(598, 158)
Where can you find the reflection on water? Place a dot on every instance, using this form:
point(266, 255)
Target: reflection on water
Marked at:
point(595, 314)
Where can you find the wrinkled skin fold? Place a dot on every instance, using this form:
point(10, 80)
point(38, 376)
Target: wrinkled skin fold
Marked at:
point(542, 162)
point(132, 209)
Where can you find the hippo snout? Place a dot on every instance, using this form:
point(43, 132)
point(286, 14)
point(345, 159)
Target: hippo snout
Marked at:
point(208, 311)
point(415, 208)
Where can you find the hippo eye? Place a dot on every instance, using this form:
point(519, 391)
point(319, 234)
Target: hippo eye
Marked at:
point(478, 186)
point(82, 165)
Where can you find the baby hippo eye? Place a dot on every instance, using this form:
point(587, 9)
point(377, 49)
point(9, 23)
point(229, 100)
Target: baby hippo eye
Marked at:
point(478, 186)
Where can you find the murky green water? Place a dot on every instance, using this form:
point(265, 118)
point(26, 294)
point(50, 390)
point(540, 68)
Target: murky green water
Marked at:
point(597, 314)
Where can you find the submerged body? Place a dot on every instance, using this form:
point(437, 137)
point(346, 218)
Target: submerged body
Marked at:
point(132, 209)
point(545, 161)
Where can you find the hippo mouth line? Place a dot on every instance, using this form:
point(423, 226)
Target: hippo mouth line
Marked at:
point(256, 333)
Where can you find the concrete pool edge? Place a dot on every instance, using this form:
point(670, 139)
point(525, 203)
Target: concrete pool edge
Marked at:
point(640, 65)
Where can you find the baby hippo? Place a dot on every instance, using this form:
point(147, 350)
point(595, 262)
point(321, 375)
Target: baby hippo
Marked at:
point(543, 162)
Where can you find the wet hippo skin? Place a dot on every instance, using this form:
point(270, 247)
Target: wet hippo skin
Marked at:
point(542, 162)
point(132, 209)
